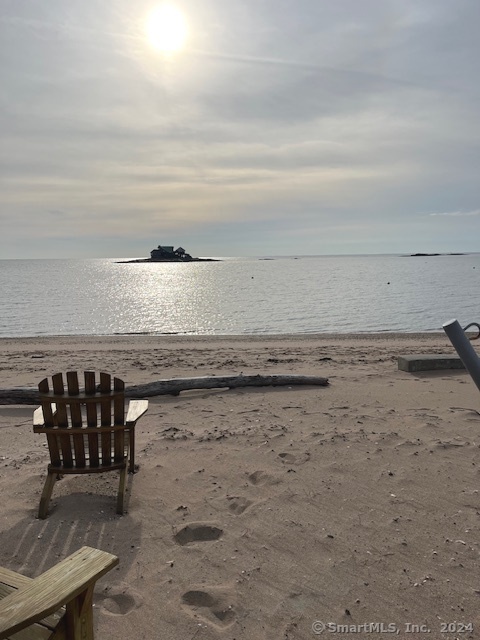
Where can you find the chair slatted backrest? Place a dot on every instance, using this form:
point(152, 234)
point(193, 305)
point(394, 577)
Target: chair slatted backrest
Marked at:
point(70, 431)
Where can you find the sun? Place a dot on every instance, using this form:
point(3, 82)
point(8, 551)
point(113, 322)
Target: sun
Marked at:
point(166, 28)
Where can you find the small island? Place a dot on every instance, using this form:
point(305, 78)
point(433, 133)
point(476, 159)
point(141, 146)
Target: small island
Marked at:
point(426, 255)
point(168, 254)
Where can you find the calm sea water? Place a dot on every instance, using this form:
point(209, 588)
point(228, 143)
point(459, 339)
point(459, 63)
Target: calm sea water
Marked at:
point(238, 295)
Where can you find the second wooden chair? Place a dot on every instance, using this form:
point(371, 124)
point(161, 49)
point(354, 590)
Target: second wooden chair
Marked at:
point(86, 429)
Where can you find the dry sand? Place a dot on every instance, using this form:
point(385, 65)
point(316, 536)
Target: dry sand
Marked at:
point(259, 511)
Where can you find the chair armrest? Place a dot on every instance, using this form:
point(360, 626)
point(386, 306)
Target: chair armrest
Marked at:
point(53, 589)
point(13, 579)
point(136, 409)
point(38, 419)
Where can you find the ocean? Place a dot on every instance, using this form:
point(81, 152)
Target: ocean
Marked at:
point(238, 296)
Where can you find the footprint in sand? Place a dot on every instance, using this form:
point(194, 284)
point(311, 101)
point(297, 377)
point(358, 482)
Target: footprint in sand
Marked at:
point(213, 604)
point(260, 477)
point(289, 458)
point(119, 600)
point(197, 532)
point(238, 504)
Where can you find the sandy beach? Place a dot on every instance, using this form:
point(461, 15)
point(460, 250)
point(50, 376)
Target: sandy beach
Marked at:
point(259, 512)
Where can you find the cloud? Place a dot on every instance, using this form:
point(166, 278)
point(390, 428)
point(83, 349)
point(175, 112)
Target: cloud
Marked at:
point(458, 214)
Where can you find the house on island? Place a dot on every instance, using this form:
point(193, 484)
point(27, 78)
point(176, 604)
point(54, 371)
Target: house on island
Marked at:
point(166, 253)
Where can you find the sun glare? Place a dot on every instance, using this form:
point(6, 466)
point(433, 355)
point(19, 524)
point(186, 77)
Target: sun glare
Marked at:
point(166, 28)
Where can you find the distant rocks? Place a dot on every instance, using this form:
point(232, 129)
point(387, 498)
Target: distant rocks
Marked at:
point(422, 255)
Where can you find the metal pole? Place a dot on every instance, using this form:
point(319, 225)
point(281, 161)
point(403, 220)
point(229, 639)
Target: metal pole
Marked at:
point(464, 349)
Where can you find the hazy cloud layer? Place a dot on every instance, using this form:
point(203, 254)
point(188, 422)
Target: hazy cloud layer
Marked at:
point(283, 127)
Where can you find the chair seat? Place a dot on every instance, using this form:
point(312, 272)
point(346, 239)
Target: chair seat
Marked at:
point(87, 468)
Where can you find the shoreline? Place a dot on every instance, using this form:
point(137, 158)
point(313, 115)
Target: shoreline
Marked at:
point(374, 335)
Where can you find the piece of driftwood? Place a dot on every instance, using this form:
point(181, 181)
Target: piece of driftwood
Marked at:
point(174, 386)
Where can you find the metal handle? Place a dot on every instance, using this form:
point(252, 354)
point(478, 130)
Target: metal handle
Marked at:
point(473, 324)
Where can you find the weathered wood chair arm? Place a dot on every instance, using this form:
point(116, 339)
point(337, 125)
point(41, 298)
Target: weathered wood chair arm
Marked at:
point(68, 583)
point(136, 409)
point(38, 420)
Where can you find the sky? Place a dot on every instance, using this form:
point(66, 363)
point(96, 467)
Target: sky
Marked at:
point(282, 127)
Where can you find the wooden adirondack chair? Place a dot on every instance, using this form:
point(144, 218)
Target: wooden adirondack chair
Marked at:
point(86, 430)
point(34, 609)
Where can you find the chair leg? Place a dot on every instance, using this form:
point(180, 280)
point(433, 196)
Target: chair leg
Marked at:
point(121, 490)
point(46, 495)
point(79, 616)
point(131, 468)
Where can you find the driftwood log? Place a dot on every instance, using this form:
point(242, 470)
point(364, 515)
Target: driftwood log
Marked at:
point(173, 386)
